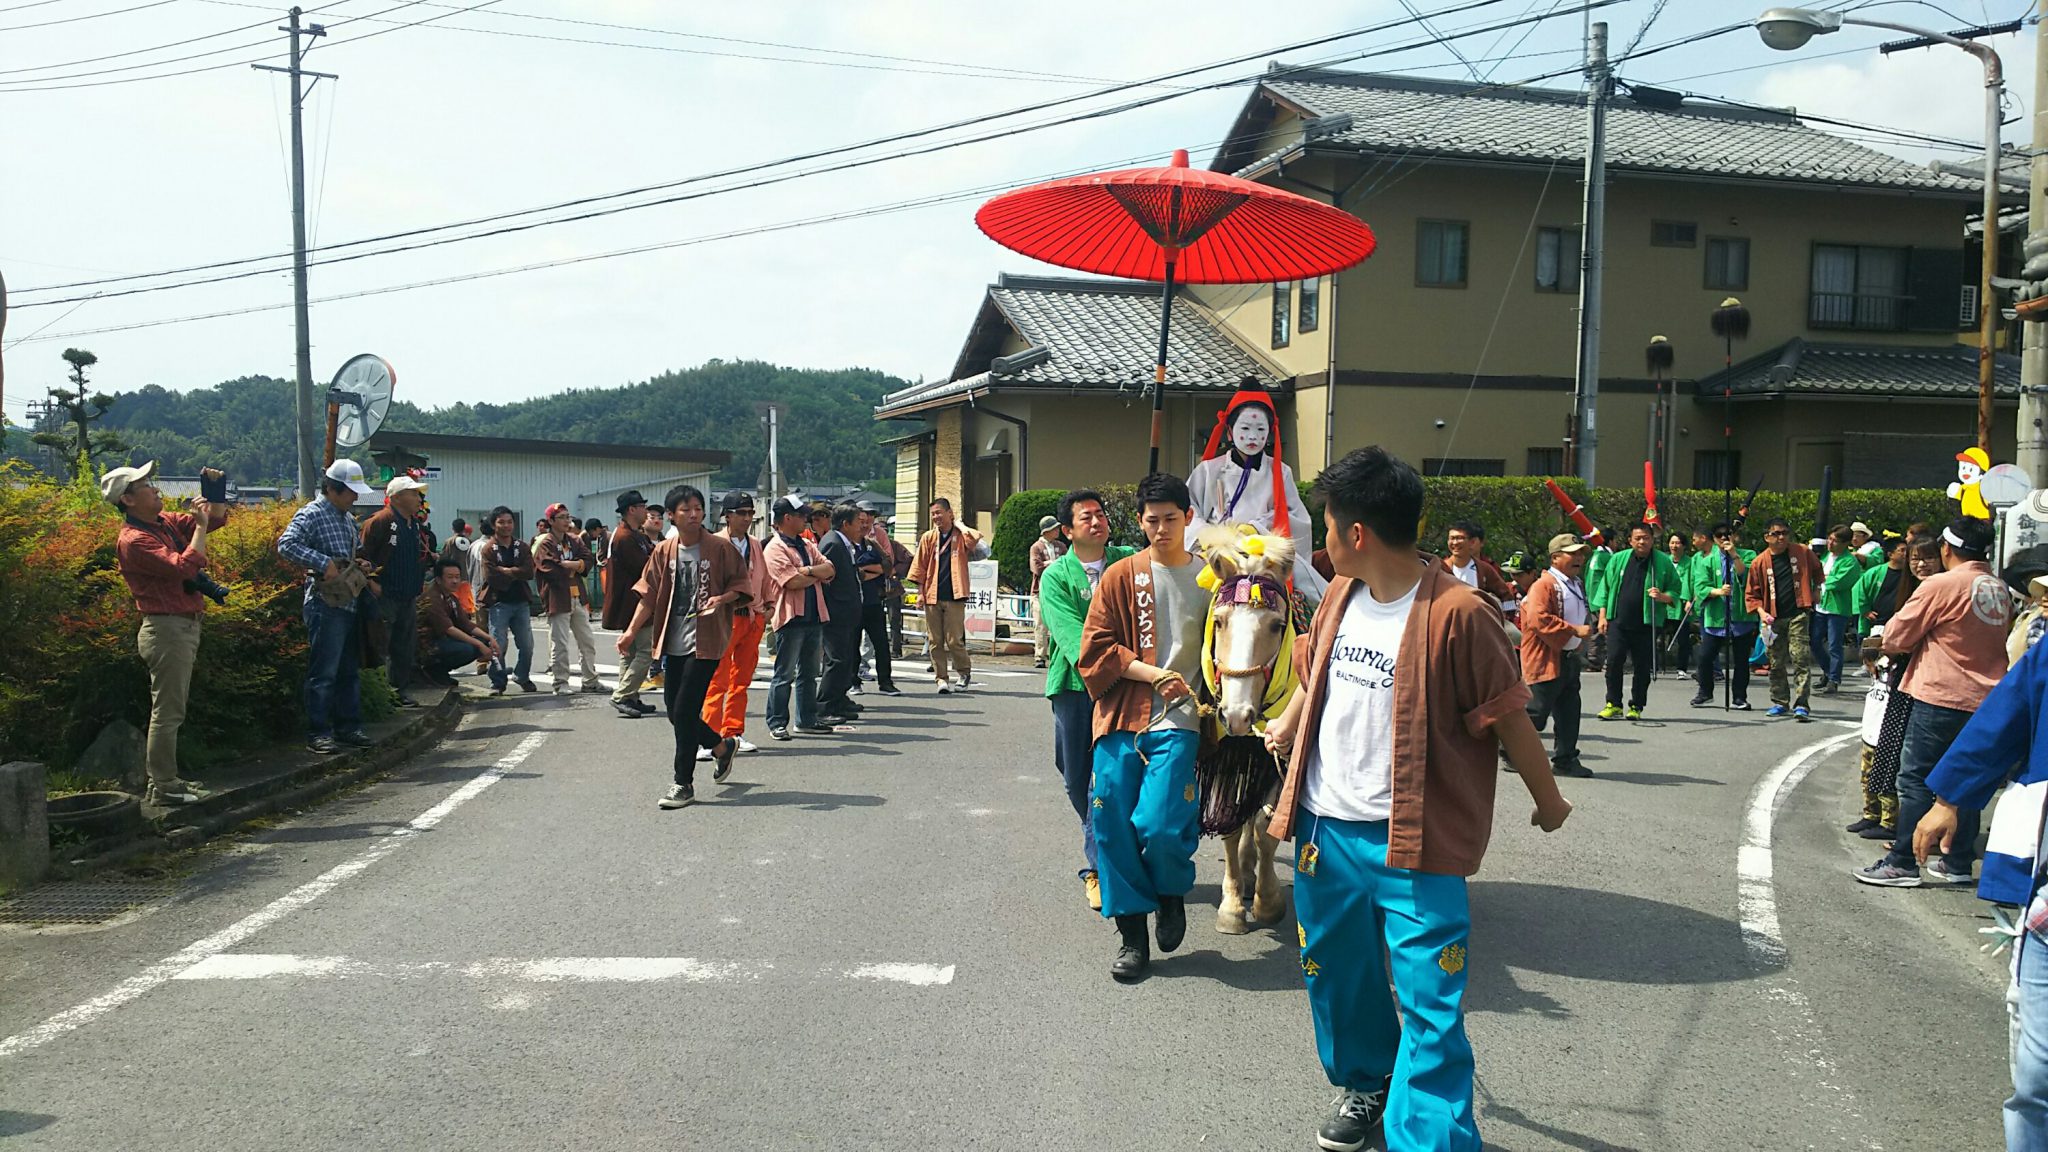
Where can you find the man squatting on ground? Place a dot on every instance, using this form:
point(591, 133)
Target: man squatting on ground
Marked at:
point(160, 554)
point(688, 591)
point(453, 636)
point(1411, 691)
point(1064, 592)
point(1140, 653)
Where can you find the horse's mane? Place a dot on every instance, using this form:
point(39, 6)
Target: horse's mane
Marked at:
point(1277, 559)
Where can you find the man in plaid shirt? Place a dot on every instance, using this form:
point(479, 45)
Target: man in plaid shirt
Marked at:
point(322, 539)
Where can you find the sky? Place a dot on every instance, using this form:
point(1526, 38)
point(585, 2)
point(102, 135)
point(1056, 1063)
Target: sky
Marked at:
point(109, 166)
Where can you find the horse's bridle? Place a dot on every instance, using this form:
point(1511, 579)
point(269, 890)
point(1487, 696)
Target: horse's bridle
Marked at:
point(1261, 590)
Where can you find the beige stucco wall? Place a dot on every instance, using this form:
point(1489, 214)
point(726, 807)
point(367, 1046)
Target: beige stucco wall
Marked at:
point(1388, 323)
point(1789, 443)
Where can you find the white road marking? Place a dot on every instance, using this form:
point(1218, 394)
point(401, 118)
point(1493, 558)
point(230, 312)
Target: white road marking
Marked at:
point(1793, 1022)
point(542, 970)
point(205, 949)
point(1756, 901)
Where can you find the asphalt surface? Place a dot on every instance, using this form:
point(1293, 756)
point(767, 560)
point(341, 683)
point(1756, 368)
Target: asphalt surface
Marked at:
point(876, 940)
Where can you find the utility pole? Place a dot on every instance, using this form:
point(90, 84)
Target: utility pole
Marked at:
point(2033, 436)
point(310, 437)
point(1592, 232)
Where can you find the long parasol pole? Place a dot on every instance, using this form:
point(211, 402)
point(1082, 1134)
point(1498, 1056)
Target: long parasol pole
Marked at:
point(1159, 370)
point(1171, 242)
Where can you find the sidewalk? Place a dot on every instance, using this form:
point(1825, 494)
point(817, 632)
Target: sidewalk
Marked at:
point(280, 777)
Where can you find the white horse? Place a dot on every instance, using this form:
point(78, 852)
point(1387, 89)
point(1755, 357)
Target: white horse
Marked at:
point(1248, 676)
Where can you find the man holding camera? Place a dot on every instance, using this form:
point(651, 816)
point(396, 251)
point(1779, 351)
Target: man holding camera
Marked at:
point(395, 544)
point(162, 556)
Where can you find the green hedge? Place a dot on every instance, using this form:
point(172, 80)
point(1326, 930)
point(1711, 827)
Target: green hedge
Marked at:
point(1518, 513)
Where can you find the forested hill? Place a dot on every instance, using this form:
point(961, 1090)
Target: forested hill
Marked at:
point(828, 426)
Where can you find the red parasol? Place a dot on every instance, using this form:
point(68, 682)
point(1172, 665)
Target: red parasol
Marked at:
point(1176, 225)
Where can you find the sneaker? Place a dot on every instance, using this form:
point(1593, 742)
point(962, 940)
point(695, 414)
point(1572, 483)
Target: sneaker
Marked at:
point(722, 757)
point(1739, 706)
point(1701, 702)
point(816, 729)
point(174, 792)
point(1353, 1116)
point(497, 685)
point(625, 709)
point(354, 738)
point(1038, 663)
point(966, 682)
point(1778, 710)
point(1635, 713)
point(945, 689)
point(528, 686)
point(1863, 825)
point(1880, 832)
point(324, 745)
point(594, 686)
point(703, 755)
point(653, 681)
point(1888, 875)
point(1939, 872)
point(1801, 714)
point(1830, 687)
point(1609, 712)
point(645, 708)
point(560, 690)
point(855, 690)
point(890, 690)
point(678, 796)
point(778, 733)
point(1092, 885)
point(1573, 769)
point(405, 701)
point(746, 745)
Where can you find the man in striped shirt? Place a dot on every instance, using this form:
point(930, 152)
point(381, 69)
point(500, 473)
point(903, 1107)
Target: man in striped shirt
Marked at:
point(322, 539)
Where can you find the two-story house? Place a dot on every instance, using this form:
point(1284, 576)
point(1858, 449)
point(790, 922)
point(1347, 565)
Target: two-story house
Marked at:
point(1455, 344)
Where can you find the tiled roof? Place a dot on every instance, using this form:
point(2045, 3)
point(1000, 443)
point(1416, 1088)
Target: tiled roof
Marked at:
point(1425, 117)
point(1099, 335)
point(1812, 369)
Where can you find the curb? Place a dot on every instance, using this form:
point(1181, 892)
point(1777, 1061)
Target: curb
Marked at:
point(294, 790)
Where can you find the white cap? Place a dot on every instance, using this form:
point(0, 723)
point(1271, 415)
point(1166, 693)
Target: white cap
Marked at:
point(402, 483)
point(350, 473)
point(117, 480)
point(1860, 526)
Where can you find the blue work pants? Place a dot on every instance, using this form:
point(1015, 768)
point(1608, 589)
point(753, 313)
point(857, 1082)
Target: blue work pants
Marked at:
point(1929, 731)
point(1350, 905)
point(516, 618)
point(1073, 722)
point(2026, 1112)
point(799, 647)
point(1147, 818)
point(334, 668)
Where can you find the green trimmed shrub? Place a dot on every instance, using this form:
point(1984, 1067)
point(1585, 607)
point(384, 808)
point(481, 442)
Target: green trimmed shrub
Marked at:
point(1017, 530)
point(1519, 513)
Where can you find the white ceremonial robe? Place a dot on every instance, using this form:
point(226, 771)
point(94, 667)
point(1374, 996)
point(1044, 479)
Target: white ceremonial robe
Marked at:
point(1210, 487)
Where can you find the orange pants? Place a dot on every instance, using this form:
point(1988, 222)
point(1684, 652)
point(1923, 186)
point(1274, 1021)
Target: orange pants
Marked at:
point(725, 705)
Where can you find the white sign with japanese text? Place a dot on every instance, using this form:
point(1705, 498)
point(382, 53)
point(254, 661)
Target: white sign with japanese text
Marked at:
point(981, 600)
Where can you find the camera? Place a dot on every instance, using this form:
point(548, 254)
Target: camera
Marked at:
point(208, 587)
point(213, 487)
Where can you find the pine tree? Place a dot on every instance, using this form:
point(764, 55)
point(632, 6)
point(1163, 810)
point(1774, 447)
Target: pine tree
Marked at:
point(82, 409)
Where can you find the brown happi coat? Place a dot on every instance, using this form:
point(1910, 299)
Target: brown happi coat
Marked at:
point(622, 567)
point(1454, 679)
point(1121, 628)
point(719, 570)
point(557, 584)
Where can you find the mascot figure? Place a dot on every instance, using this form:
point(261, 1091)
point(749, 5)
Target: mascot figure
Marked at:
point(1242, 480)
point(1971, 464)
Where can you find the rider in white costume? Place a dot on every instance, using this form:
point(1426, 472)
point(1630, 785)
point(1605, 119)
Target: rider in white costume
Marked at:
point(1235, 483)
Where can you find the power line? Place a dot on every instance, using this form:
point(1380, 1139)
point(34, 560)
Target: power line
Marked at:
point(1655, 11)
point(45, 83)
point(89, 16)
point(136, 52)
point(30, 4)
point(839, 150)
point(941, 67)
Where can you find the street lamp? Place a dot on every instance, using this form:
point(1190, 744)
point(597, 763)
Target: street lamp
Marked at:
point(1788, 29)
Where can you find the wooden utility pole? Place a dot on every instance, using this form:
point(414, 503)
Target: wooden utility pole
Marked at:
point(307, 412)
point(1593, 231)
point(2033, 436)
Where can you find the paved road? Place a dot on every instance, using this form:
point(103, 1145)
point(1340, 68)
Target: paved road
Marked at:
point(875, 940)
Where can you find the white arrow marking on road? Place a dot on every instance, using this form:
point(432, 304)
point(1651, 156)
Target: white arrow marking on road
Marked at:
point(1756, 901)
point(201, 950)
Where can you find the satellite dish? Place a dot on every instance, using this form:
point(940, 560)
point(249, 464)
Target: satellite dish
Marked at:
point(2004, 485)
point(359, 398)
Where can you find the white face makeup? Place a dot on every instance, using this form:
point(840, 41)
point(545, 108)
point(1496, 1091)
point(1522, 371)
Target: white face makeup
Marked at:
point(1250, 431)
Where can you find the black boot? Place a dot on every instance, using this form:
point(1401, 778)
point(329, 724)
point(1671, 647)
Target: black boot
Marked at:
point(1136, 954)
point(1173, 922)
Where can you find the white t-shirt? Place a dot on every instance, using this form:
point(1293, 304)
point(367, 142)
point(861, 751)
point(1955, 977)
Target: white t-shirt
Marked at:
point(1468, 575)
point(1350, 771)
